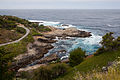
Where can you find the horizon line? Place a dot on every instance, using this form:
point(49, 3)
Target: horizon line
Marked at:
point(63, 9)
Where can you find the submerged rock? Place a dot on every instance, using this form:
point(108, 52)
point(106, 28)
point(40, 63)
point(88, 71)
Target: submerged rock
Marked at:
point(50, 58)
point(46, 40)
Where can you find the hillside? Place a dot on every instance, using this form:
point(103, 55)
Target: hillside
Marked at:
point(103, 57)
point(90, 64)
point(10, 31)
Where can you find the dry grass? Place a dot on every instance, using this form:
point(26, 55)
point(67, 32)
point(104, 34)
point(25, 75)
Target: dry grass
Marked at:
point(9, 35)
point(113, 73)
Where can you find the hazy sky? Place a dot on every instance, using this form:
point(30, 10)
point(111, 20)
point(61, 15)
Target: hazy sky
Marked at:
point(59, 4)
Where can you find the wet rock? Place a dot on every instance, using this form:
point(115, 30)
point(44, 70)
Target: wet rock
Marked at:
point(104, 69)
point(50, 58)
point(50, 36)
point(65, 61)
point(68, 32)
point(65, 25)
point(45, 40)
point(29, 68)
point(62, 51)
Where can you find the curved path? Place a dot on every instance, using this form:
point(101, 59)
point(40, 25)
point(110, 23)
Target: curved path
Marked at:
point(27, 32)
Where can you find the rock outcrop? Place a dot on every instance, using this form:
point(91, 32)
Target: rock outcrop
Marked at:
point(68, 32)
point(35, 51)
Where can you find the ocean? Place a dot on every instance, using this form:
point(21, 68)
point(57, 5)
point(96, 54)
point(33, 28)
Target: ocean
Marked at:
point(98, 22)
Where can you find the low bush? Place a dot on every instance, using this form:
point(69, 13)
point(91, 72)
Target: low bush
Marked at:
point(5, 63)
point(20, 30)
point(43, 28)
point(49, 72)
point(76, 56)
point(35, 33)
point(58, 69)
point(43, 73)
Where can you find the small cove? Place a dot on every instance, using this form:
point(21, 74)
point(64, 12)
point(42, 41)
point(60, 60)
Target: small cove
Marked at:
point(63, 46)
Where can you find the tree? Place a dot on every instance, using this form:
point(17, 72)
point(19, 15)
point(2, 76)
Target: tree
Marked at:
point(107, 41)
point(76, 56)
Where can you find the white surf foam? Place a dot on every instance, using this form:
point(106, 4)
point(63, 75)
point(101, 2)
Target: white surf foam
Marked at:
point(53, 24)
point(46, 23)
point(35, 20)
point(94, 39)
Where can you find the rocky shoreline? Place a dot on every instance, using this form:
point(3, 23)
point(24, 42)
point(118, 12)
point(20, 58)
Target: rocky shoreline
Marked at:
point(42, 45)
point(67, 32)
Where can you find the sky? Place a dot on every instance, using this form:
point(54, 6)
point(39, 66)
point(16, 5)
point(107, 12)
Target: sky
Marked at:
point(59, 4)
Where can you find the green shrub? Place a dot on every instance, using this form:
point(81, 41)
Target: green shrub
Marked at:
point(58, 69)
point(48, 72)
point(21, 30)
point(43, 73)
point(35, 25)
point(35, 33)
point(43, 28)
point(5, 72)
point(76, 56)
point(99, 51)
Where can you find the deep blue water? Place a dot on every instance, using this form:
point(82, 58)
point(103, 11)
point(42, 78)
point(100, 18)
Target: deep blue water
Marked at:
point(98, 22)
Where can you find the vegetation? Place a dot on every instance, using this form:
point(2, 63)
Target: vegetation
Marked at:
point(10, 22)
point(7, 53)
point(113, 73)
point(10, 31)
point(76, 56)
point(7, 24)
point(43, 28)
point(20, 30)
point(105, 55)
point(5, 73)
point(81, 67)
point(9, 35)
point(109, 43)
point(49, 72)
point(34, 32)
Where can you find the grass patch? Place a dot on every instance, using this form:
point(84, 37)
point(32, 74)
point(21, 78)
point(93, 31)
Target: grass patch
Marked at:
point(18, 48)
point(34, 32)
point(9, 35)
point(43, 28)
point(113, 73)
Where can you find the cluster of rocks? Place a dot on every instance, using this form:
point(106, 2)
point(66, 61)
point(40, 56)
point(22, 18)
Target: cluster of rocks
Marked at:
point(68, 32)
